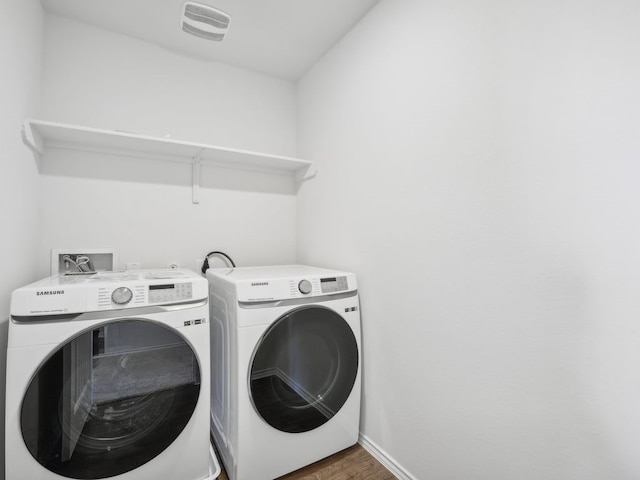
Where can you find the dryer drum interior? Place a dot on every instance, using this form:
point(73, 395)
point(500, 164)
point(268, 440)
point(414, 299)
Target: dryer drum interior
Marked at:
point(110, 399)
point(303, 369)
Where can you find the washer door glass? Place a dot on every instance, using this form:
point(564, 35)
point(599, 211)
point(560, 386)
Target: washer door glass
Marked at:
point(303, 369)
point(110, 399)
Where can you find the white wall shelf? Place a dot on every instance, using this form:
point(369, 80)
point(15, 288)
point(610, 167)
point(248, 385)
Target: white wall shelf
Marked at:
point(39, 135)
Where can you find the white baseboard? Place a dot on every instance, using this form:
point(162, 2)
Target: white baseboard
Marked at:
point(382, 456)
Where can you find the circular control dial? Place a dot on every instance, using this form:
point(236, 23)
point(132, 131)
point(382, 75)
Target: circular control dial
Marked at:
point(121, 296)
point(304, 286)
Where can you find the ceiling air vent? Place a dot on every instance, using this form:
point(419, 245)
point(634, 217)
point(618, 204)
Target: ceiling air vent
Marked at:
point(204, 21)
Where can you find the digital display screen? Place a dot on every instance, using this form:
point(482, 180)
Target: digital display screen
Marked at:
point(162, 287)
point(333, 284)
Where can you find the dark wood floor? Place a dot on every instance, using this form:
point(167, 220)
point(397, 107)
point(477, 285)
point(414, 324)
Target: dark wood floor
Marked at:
point(354, 463)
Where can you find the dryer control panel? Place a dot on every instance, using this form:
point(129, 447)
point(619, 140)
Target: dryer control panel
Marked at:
point(324, 285)
point(288, 288)
point(333, 284)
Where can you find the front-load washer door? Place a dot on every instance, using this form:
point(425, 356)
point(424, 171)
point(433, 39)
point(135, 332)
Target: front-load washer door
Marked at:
point(303, 369)
point(110, 399)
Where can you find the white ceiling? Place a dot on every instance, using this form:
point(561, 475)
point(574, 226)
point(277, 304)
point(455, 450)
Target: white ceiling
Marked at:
point(281, 38)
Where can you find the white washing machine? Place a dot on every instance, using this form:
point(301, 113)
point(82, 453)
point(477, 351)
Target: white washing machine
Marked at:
point(108, 376)
point(285, 367)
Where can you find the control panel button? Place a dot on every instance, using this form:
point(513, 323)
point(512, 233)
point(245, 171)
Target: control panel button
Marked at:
point(121, 296)
point(304, 286)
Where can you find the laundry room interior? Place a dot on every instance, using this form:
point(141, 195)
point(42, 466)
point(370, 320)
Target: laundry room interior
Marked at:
point(474, 163)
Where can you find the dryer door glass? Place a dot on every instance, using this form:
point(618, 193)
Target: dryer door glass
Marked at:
point(304, 369)
point(110, 399)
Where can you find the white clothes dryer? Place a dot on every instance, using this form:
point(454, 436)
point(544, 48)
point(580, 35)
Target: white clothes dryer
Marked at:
point(286, 362)
point(108, 376)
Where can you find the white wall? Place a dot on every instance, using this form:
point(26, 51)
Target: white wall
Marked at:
point(478, 171)
point(21, 54)
point(105, 80)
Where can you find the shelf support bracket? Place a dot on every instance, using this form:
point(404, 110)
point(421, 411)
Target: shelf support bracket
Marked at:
point(195, 168)
point(33, 140)
point(307, 173)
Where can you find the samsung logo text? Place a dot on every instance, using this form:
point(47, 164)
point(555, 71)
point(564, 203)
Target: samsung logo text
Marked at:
point(50, 292)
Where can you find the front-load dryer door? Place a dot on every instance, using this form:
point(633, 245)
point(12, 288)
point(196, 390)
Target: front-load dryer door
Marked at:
point(110, 399)
point(303, 369)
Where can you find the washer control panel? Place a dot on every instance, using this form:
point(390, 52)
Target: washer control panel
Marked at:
point(117, 290)
point(170, 292)
point(140, 295)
